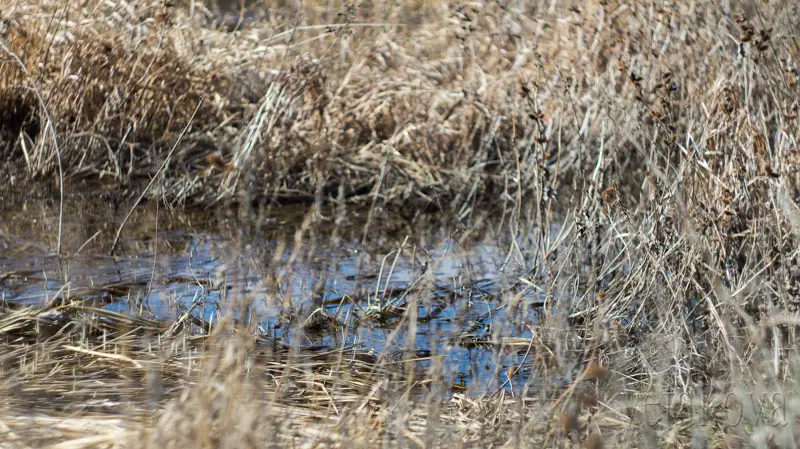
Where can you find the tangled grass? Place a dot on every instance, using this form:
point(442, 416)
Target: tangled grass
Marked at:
point(660, 136)
point(437, 104)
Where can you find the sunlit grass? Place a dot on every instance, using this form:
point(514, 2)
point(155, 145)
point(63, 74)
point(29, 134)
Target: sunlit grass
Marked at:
point(641, 159)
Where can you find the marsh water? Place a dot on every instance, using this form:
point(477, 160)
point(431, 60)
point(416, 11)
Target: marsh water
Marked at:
point(302, 276)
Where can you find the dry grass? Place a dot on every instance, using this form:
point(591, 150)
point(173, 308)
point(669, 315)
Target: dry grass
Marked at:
point(661, 136)
point(83, 377)
point(442, 104)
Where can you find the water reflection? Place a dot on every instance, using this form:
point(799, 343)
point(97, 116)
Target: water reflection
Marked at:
point(306, 279)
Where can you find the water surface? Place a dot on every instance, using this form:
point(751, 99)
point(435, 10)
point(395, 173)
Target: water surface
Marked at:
point(303, 277)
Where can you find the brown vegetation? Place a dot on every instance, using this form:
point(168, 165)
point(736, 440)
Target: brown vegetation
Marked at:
point(662, 136)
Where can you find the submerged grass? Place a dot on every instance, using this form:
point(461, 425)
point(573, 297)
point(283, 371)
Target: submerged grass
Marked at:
point(661, 138)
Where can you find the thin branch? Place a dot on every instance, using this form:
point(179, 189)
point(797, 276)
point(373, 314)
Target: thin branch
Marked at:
point(160, 169)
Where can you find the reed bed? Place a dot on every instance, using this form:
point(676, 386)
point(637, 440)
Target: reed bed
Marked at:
point(639, 159)
point(427, 104)
point(82, 377)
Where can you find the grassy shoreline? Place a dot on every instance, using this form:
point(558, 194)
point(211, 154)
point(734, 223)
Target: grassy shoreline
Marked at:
point(661, 136)
point(440, 105)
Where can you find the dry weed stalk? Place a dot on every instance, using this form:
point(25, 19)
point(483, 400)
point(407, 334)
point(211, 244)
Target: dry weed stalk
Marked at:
point(552, 114)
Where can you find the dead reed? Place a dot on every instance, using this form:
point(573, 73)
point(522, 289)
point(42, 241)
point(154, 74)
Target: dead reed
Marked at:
point(641, 159)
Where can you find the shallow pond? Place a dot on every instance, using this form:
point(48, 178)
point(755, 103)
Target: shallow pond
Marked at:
point(323, 278)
